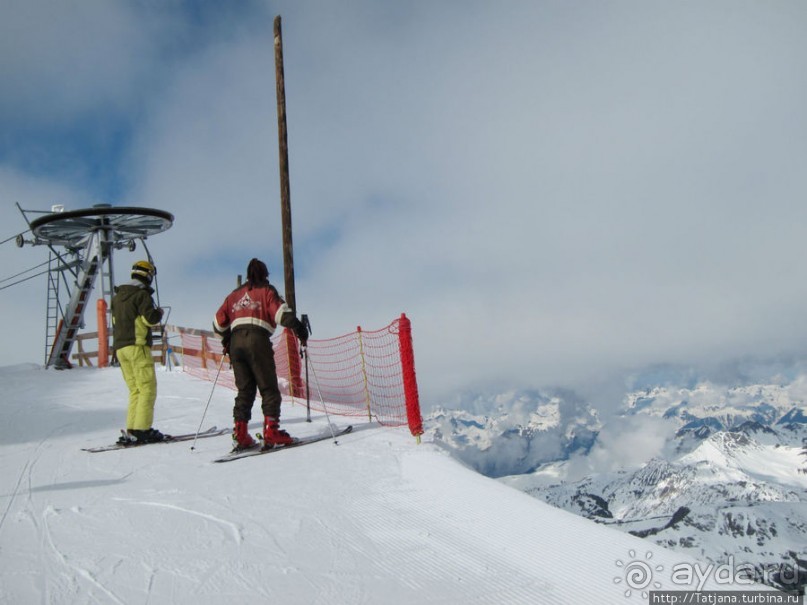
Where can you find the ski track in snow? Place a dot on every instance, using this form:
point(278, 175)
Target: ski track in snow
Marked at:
point(235, 530)
point(64, 570)
point(61, 581)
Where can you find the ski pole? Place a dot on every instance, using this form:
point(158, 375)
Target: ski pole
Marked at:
point(304, 353)
point(327, 416)
point(196, 436)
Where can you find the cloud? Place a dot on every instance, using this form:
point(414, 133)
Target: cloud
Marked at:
point(59, 61)
point(550, 192)
point(624, 443)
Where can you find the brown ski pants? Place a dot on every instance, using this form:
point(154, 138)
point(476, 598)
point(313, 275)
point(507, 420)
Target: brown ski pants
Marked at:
point(253, 361)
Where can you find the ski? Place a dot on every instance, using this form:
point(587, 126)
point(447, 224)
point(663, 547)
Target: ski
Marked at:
point(211, 432)
point(258, 451)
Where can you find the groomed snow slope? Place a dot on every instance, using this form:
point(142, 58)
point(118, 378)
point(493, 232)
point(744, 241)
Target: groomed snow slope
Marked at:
point(375, 519)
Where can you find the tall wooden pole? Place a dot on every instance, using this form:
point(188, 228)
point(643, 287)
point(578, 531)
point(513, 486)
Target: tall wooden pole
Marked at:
point(285, 190)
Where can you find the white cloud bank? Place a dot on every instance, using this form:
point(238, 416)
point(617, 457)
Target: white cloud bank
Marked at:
point(551, 192)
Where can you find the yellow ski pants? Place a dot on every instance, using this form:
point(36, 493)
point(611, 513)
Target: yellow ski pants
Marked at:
point(137, 366)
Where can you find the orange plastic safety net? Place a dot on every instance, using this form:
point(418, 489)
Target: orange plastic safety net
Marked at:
point(364, 373)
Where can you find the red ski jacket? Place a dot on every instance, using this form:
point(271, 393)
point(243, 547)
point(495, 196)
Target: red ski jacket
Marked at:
point(249, 305)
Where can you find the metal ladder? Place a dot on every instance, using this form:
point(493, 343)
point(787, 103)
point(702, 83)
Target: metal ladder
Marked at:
point(53, 311)
point(97, 253)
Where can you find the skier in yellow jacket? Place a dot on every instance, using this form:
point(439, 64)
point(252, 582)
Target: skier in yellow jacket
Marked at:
point(133, 315)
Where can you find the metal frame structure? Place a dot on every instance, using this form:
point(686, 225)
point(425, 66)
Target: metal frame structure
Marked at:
point(89, 237)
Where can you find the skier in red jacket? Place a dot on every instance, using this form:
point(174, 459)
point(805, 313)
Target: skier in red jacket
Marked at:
point(245, 321)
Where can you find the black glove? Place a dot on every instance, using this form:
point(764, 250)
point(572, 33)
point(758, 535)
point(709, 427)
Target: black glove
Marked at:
point(290, 322)
point(301, 332)
point(225, 342)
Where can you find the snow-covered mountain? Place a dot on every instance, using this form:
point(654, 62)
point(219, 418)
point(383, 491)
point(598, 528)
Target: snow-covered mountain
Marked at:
point(731, 497)
point(523, 431)
point(719, 407)
point(726, 479)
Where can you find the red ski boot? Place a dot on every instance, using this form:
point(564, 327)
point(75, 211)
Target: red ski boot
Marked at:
point(242, 440)
point(272, 435)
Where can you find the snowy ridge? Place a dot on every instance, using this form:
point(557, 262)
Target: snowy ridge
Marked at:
point(721, 406)
point(376, 519)
point(523, 430)
point(727, 476)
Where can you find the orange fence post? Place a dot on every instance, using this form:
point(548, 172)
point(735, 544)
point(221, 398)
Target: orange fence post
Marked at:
point(410, 383)
point(103, 334)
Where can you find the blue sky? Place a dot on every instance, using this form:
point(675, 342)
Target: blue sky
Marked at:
point(554, 192)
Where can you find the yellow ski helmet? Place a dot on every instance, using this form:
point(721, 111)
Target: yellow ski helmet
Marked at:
point(144, 270)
